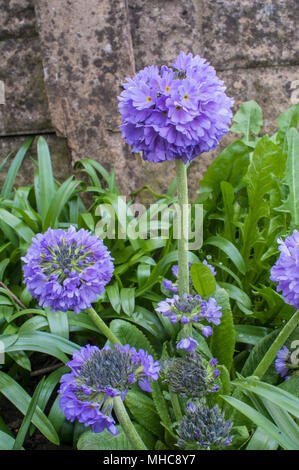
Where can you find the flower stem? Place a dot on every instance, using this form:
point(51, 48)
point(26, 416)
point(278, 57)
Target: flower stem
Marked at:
point(182, 189)
point(176, 406)
point(127, 424)
point(102, 327)
point(276, 346)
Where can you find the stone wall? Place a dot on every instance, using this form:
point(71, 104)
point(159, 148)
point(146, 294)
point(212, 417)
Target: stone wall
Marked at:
point(62, 64)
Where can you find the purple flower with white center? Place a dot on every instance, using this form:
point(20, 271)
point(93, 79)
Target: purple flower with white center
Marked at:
point(175, 112)
point(189, 344)
point(286, 269)
point(67, 270)
point(98, 375)
point(203, 428)
point(284, 365)
point(191, 309)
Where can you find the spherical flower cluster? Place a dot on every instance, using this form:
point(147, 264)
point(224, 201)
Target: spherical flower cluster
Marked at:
point(190, 376)
point(284, 365)
point(175, 112)
point(189, 308)
point(67, 270)
point(203, 428)
point(173, 286)
point(286, 269)
point(98, 375)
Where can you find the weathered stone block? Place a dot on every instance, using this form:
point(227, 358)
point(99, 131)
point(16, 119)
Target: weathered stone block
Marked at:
point(17, 19)
point(161, 29)
point(26, 104)
point(247, 33)
point(87, 53)
point(271, 87)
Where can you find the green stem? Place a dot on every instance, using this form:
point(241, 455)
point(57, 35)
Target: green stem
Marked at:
point(176, 406)
point(182, 188)
point(127, 425)
point(102, 327)
point(276, 346)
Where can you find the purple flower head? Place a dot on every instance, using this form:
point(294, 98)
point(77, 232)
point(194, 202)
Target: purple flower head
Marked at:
point(175, 112)
point(191, 308)
point(284, 365)
point(286, 269)
point(183, 308)
point(67, 270)
point(98, 375)
point(189, 344)
point(203, 428)
point(191, 375)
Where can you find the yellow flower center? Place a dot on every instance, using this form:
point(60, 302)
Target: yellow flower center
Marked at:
point(178, 107)
point(167, 88)
point(149, 99)
point(186, 97)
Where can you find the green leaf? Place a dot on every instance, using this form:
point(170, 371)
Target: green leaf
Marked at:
point(58, 323)
point(14, 168)
point(6, 441)
point(239, 295)
point(291, 385)
point(130, 334)
point(257, 354)
point(56, 415)
point(228, 197)
point(21, 229)
point(203, 280)
point(292, 175)
point(248, 120)
point(44, 342)
point(230, 165)
point(160, 403)
point(127, 297)
point(58, 202)
point(266, 166)
point(103, 441)
point(21, 358)
point(287, 120)
point(230, 250)
point(45, 186)
point(261, 441)
point(21, 400)
point(223, 338)
point(279, 397)
point(250, 334)
point(143, 409)
point(263, 422)
point(283, 420)
point(28, 417)
point(114, 296)
point(49, 385)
